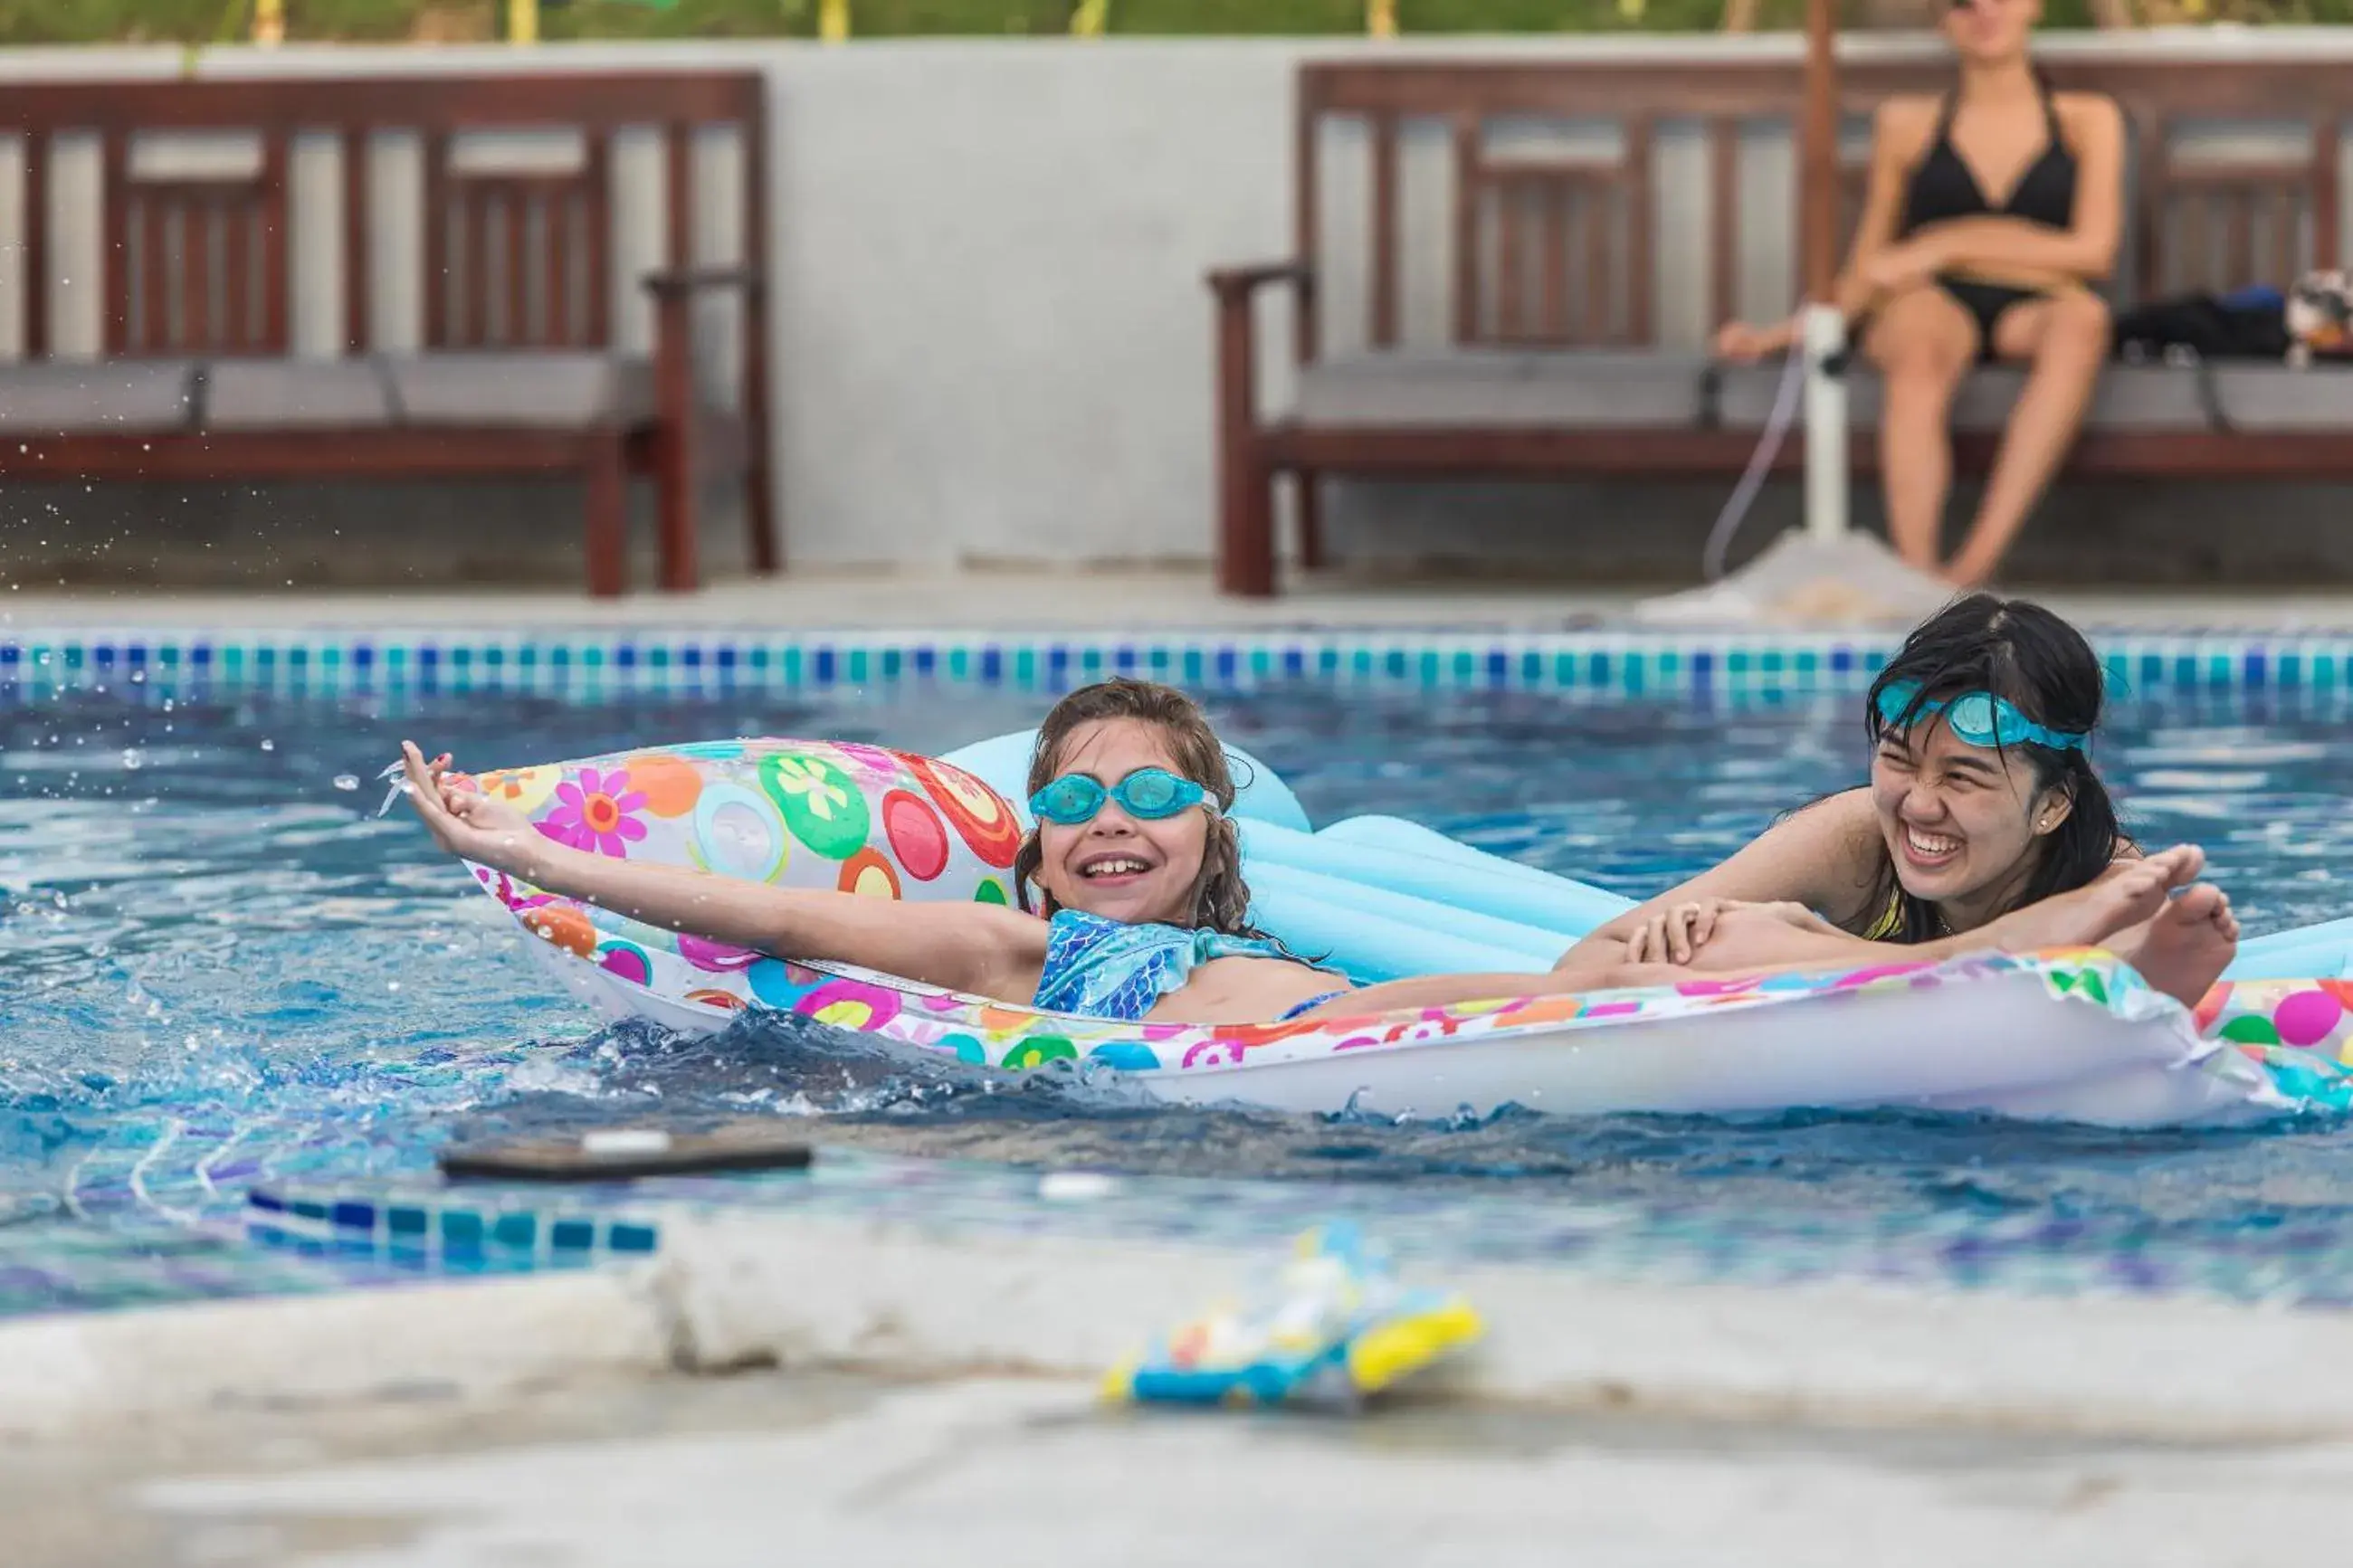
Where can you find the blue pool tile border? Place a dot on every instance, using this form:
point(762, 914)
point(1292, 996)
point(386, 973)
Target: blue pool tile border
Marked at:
point(161, 664)
point(435, 1229)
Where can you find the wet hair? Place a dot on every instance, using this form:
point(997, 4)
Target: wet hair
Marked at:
point(2022, 652)
point(1220, 897)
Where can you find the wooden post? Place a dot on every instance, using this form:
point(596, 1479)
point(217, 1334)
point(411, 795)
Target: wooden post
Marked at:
point(833, 20)
point(1380, 18)
point(1820, 169)
point(522, 21)
point(269, 23)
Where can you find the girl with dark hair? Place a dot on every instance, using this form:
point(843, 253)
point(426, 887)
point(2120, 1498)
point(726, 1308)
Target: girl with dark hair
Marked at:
point(1983, 826)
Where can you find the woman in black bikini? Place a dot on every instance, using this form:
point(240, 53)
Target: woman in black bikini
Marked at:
point(1943, 276)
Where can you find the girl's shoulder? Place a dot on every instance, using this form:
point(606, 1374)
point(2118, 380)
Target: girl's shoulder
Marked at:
point(1845, 852)
point(1846, 818)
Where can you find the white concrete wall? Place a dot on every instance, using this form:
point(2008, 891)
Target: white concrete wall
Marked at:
point(992, 341)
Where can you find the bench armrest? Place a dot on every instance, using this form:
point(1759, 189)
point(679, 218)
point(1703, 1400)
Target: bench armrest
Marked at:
point(1232, 283)
point(675, 291)
point(676, 282)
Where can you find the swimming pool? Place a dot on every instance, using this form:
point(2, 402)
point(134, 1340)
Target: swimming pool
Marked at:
point(217, 968)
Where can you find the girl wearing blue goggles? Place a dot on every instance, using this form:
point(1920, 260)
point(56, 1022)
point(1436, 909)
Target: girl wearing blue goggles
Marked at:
point(1979, 718)
point(1983, 826)
point(1148, 795)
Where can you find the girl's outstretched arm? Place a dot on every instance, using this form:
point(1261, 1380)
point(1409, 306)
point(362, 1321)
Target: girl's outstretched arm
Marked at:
point(985, 949)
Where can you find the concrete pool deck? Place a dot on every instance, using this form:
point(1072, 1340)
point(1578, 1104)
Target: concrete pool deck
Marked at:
point(771, 1468)
point(874, 1393)
point(908, 1299)
point(1003, 599)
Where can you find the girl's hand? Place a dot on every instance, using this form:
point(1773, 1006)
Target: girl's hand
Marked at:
point(465, 822)
point(1674, 934)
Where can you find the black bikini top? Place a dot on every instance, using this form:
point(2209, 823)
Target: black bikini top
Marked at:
point(1944, 186)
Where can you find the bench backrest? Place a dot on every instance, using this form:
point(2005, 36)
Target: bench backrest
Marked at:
point(1543, 193)
point(513, 243)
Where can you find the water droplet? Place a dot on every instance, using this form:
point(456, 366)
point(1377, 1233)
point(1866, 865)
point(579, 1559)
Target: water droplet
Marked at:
point(133, 760)
point(347, 781)
point(269, 745)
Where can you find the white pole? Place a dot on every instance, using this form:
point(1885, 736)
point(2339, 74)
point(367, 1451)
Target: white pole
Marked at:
point(1826, 427)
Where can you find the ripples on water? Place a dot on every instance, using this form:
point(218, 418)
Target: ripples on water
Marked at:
point(215, 966)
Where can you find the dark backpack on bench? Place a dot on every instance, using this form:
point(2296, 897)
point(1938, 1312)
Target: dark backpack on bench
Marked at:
point(2249, 324)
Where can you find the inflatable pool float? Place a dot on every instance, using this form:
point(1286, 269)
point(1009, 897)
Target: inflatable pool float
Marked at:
point(2067, 1034)
point(1334, 1327)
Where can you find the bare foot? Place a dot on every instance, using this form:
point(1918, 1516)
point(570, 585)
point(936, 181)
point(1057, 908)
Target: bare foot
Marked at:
point(2188, 946)
point(2091, 915)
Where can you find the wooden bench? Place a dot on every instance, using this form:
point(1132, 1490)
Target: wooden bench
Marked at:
point(1539, 271)
point(511, 362)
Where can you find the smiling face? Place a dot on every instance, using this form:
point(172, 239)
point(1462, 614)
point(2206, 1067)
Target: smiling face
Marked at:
point(1120, 866)
point(1964, 825)
point(1987, 31)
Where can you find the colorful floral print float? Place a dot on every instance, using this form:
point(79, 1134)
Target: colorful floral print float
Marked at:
point(2071, 1034)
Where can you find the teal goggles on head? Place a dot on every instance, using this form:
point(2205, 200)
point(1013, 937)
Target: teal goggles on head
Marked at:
point(1976, 718)
point(1147, 794)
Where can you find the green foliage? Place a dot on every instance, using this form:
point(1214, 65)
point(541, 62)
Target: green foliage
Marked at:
point(1559, 16)
point(1293, 17)
point(796, 18)
point(203, 21)
point(98, 21)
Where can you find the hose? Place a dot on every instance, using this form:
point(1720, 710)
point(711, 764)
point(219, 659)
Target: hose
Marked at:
point(1760, 463)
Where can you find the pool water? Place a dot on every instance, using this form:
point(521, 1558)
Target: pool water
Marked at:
point(218, 968)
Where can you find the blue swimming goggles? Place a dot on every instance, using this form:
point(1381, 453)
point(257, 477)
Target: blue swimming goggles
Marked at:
point(1148, 795)
point(1976, 717)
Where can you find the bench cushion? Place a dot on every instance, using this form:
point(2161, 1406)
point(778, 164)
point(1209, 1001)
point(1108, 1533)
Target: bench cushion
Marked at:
point(2276, 398)
point(120, 397)
point(262, 396)
point(2129, 397)
point(521, 391)
point(1484, 388)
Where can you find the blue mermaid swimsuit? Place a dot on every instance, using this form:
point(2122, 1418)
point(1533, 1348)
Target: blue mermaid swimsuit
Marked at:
point(1102, 968)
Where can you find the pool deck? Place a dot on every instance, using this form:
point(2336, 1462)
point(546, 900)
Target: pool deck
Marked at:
point(877, 1392)
point(897, 1298)
point(1010, 599)
point(771, 1467)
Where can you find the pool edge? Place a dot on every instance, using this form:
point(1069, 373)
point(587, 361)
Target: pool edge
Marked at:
point(158, 662)
point(903, 1300)
point(182, 1362)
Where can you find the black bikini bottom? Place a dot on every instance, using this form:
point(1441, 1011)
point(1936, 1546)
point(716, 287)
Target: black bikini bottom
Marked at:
point(1986, 303)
